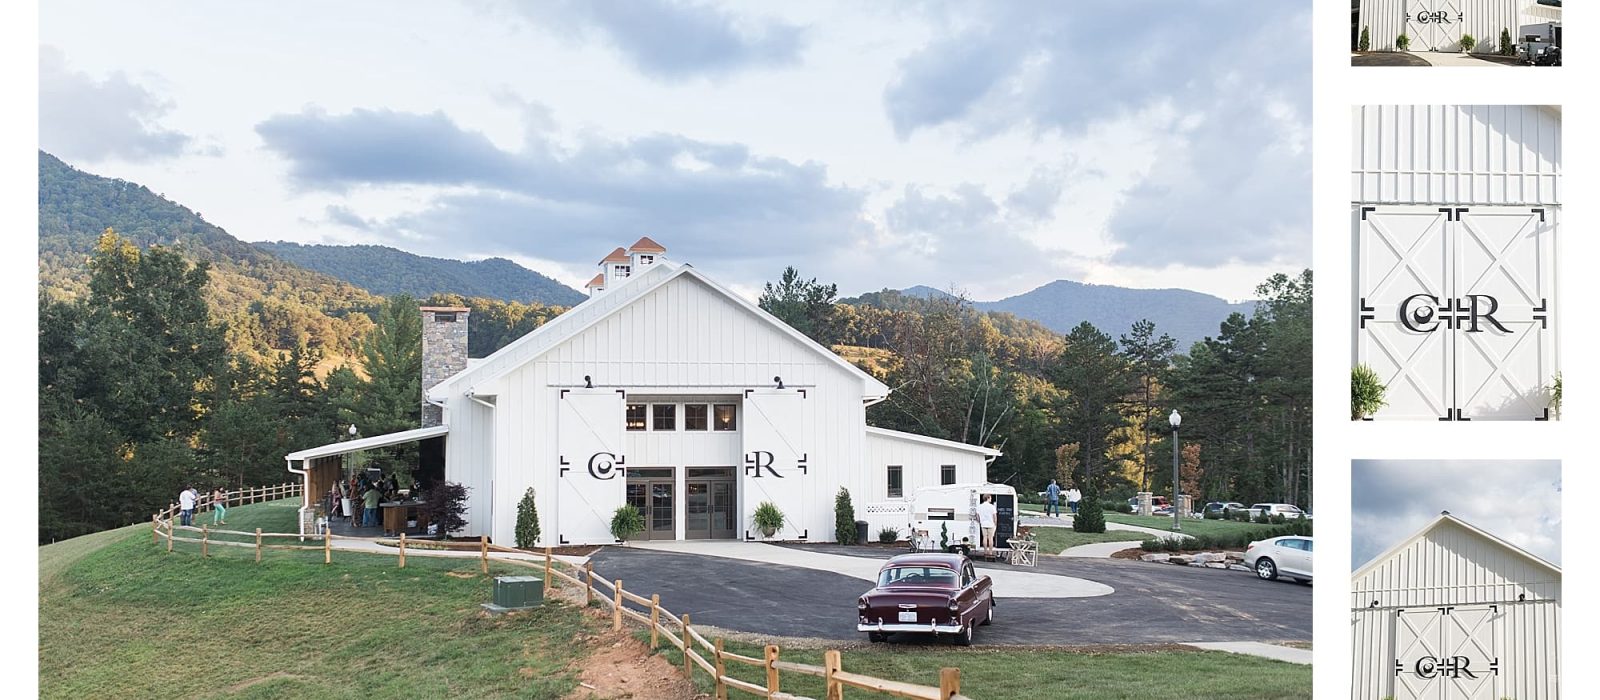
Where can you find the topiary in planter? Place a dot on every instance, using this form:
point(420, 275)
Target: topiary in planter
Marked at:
point(626, 522)
point(1366, 392)
point(768, 518)
point(527, 521)
point(1403, 42)
point(1468, 42)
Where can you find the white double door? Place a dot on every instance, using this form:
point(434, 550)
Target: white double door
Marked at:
point(1455, 310)
point(1435, 25)
point(1448, 653)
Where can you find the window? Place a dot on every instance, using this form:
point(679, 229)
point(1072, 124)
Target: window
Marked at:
point(947, 474)
point(726, 417)
point(444, 317)
point(635, 416)
point(620, 271)
point(664, 416)
point(896, 488)
point(646, 260)
point(695, 416)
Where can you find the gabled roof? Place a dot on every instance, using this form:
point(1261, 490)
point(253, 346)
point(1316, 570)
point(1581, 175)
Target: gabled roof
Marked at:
point(1443, 518)
point(597, 308)
point(645, 245)
point(598, 280)
point(936, 442)
point(618, 255)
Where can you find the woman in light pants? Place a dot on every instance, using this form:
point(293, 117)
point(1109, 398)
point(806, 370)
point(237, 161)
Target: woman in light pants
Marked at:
point(219, 507)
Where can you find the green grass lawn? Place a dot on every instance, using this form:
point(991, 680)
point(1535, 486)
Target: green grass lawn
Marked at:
point(997, 673)
point(1191, 526)
point(1052, 540)
point(127, 619)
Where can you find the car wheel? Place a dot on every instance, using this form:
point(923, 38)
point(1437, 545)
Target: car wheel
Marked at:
point(964, 637)
point(1265, 569)
point(876, 637)
point(988, 616)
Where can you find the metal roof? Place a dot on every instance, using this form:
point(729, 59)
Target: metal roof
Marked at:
point(367, 443)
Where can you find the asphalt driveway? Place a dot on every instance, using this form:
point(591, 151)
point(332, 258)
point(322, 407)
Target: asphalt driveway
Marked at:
point(1387, 58)
point(1153, 603)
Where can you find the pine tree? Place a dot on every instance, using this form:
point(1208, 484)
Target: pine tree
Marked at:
point(1095, 380)
point(806, 305)
point(527, 530)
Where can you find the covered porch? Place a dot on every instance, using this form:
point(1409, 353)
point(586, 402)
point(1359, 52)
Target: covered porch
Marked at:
point(320, 468)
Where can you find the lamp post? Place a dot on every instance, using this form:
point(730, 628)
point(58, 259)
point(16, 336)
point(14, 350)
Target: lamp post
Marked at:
point(1175, 420)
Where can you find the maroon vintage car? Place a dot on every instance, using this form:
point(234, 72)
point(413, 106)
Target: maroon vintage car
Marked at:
point(929, 592)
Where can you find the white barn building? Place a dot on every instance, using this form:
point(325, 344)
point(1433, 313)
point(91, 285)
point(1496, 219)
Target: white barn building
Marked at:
point(1455, 213)
point(1437, 25)
point(668, 391)
point(1453, 612)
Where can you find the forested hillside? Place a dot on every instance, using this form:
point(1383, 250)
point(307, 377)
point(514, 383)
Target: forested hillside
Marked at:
point(264, 303)
point(384, 270)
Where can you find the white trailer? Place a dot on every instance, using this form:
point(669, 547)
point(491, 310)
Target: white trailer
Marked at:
point(946, 517)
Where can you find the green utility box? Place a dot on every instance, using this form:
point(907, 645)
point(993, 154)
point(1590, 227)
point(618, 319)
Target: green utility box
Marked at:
point(516, 593)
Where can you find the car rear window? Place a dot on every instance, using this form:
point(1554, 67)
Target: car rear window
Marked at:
point(917, 576)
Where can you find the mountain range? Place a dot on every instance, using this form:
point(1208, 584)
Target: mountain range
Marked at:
point(384, 270)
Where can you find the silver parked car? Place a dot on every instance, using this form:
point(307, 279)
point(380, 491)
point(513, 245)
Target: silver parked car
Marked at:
point(1281, 556)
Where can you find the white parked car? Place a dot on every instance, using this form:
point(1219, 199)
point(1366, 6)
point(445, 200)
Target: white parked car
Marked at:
point(1281, 556)
point(1287, 510)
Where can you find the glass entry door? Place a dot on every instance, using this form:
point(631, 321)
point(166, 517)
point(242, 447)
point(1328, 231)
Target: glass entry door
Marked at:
point(652, 490)
point(709, 503)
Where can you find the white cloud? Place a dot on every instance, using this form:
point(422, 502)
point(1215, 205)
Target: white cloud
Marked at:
point(1517, 501)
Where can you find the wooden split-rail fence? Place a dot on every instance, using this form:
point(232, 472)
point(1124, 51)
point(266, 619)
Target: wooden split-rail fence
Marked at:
point(698, 652)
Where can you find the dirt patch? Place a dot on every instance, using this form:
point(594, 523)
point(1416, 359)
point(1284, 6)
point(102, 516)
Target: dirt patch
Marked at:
point(619, 666)
point(1130, 553)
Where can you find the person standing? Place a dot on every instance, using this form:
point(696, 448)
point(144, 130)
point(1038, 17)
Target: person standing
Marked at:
point(1052, 495)
point(1073, 496)
point(986, 522)
point(369, 501)
point(186, 502)
point(219, 506)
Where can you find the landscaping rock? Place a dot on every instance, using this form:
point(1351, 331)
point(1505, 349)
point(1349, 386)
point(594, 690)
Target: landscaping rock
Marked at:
point(1240, 567)
point(1216, 565)
point(1178, 559)
point(1198, 564)
point(1208, 557)
point(1161, 558)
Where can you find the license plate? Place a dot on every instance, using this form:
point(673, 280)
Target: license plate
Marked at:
point(908, 616)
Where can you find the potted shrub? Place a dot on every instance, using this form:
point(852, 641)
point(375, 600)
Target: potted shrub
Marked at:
point(1403, 42)
point(1468, 42)
point(1366, 392)
point(626, 522)
point(768, 518)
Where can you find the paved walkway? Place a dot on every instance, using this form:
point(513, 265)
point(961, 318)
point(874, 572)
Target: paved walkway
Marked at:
point(1098, 550)
point(1015, 584)
point(1265, 651)
point(1454, 60)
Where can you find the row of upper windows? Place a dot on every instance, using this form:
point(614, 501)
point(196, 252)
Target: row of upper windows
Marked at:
point(947, 476)
point(696, 416)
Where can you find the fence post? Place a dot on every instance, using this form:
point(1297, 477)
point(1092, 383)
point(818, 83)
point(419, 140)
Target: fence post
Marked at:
point(771, 656)
point(949, 683)
point(722, 688)
point(258, 545)
point(483, 552)
point(547, 576)
point(169, 535)
point(155, 528)
point(327, 545)
point(205, 541)
point(655, 617)
point(402, 550)
point(616, 607)
point(688, 647)
point(830, 666)
point(588, 570)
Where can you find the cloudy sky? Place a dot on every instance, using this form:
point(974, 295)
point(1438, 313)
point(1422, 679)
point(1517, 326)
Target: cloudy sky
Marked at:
point(992, 147)
point(1519, 502)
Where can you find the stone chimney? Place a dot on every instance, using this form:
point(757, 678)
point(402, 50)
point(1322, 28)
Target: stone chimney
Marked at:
point(444, 352)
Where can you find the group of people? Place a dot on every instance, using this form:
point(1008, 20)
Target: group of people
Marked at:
point(1052, 499)
point(189, 500)
point(370, 492)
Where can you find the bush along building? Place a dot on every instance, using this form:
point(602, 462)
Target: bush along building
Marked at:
point(1455, 612)
point(665, 391)
point(1455, 216)
point(1446, 25)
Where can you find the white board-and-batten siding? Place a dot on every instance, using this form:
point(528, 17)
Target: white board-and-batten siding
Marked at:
point(1450, 564)
point(1458, 155)
point(681, 338)
point(1386, 20)
point(920, 465)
